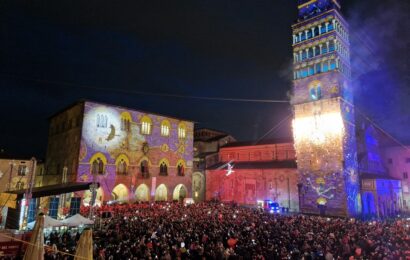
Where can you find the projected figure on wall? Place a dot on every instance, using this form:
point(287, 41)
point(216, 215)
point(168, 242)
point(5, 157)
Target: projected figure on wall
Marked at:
point(321, 190)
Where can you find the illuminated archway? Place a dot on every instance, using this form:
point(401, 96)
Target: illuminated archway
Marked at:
point(142, 193)
point(161, 193)
point(180, 192)
point(119, 193)
point(98, 198)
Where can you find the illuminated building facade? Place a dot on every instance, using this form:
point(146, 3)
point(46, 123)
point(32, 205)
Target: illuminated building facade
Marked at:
point(263, 171)
point(397, 160)
point(14, 174)
point(133, 155)
point(206, 147)
point(324, 121)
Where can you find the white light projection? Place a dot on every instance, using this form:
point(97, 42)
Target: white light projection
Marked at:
point(101, 128)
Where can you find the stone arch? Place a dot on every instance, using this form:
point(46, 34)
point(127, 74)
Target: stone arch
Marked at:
point(120, 193)
point(198, 187)
point(142, 193)
point(161, 193)
point(180, 192)
point(99, 198)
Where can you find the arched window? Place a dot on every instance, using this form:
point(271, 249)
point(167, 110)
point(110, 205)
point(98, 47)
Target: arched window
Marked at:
point(126, 121)
point(163, 169)
point(100, 166)
point(97, 166)
point(144, 169)
point(181, 169)
point(94, 167)
point(20, 185)
point(165, 127)
point(122, 167)
point(146, 125)
point(315, 90)
point(181, 131)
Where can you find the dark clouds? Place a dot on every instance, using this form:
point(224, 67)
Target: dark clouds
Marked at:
point(203, 48)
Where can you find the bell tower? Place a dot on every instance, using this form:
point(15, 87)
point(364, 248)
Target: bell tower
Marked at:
point(324, 125)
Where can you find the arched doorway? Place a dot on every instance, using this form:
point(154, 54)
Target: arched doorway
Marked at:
point(369, 206)
point(119, 193)
point(198, 187)
point(142, 193)
point(98, 198)
point(161, 193)
point(180, 192)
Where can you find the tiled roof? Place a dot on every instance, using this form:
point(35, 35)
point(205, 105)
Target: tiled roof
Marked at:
point(262, 142)
point(257, 165)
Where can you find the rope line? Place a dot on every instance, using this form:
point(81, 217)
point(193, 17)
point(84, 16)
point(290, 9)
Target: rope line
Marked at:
point(137, 92)
point(46, 246)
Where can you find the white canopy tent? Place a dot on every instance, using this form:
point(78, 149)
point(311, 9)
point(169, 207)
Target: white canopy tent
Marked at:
point(48, 223)
point(77, 220)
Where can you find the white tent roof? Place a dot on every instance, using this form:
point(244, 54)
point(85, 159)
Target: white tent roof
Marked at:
point(76, 221)
point(48, 222)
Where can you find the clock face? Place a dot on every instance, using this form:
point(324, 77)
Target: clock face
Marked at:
point(101, 128)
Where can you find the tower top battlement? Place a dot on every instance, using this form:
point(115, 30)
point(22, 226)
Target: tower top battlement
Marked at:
point(310, 8)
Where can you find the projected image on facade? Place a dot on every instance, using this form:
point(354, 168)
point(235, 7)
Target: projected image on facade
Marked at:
point(131, 154)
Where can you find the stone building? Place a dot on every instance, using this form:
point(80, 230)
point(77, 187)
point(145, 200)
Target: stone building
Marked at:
point(397, 160)
point(206, 147)
point(14, 174)
point(323, 126)
point(381, 192)
point(248, 173)
point(338, 153)
point(133, 155)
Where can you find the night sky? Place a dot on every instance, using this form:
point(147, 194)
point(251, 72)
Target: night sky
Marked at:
point(53, 53)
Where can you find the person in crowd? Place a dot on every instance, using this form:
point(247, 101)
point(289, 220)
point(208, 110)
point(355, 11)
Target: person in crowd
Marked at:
point(227, 231)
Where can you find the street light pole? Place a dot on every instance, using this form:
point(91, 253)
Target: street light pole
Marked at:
point(10, 174)
point(28, 193)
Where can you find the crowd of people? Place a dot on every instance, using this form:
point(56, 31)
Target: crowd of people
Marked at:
point(225, 231)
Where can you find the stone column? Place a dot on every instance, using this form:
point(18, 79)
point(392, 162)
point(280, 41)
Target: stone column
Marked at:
point(327, 27)
point(314, 51)
point(320, 29)
point(320, 49)
point(313, 32)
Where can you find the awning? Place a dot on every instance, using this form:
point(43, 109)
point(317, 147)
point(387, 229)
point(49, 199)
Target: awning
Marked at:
point(51, 190)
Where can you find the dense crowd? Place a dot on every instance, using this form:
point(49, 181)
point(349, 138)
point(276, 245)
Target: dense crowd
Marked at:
point(218, 231)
